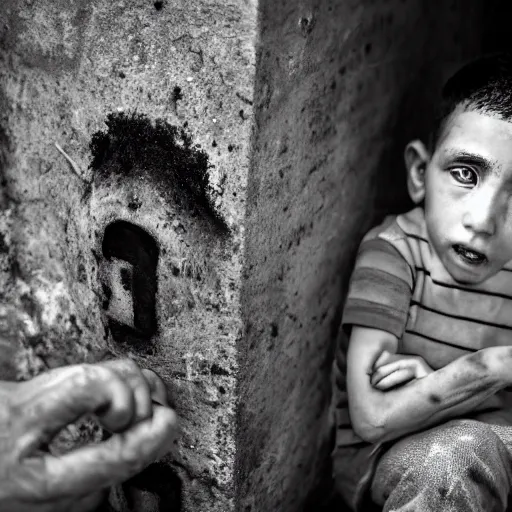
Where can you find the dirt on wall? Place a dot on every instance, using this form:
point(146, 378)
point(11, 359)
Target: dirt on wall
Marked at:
point(98, 257)
point(341, 87)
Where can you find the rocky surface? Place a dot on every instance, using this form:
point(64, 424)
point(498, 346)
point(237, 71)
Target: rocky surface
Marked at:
point(187, 67)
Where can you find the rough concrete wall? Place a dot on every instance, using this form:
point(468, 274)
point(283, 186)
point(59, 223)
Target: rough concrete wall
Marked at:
point(64, 66)
point(341, 86)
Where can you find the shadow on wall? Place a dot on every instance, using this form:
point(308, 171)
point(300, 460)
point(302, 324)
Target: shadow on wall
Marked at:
point(341, 88)
point(156, 489)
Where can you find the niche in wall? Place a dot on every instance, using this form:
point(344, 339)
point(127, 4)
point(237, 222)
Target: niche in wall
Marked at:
point(129, 283)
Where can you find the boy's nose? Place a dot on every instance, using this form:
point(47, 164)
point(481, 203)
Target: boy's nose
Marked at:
point(481, 214)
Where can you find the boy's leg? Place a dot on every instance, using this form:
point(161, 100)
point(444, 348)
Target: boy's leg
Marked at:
point(459, 466)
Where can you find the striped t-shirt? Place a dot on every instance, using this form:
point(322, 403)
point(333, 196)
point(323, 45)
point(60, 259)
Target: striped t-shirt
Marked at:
point(399, 285)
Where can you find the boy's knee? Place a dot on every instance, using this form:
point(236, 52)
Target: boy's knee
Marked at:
point(454, 447)
point(437, 449)
point(462, 453)
point(460, 441)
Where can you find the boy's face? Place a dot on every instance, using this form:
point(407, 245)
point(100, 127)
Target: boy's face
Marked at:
point(468, 195)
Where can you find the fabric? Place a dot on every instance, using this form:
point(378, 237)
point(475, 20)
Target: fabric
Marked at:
point(463, 465)
point(400, 286)
point(398, 275)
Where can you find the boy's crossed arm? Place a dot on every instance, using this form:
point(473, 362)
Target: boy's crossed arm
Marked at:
point(380, 412)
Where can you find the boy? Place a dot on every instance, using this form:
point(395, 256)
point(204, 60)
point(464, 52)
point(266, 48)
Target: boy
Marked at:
point(425, 423)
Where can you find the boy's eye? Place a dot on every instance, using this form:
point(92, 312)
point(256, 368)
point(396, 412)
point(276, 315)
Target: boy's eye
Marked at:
point(464, 175)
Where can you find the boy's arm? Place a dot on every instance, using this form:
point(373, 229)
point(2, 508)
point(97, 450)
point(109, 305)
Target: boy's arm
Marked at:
point(454, 390)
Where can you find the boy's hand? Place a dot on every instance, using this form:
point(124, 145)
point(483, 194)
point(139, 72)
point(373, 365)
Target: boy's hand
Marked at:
point(391, 370)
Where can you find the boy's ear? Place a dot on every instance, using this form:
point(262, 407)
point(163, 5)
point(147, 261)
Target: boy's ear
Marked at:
point(417, 157)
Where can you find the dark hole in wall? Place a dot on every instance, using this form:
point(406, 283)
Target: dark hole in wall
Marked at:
point(161, 481)
point(107, 294)
point(6, 151)
point(134, 245)
point(126, 279)
point(133, 143)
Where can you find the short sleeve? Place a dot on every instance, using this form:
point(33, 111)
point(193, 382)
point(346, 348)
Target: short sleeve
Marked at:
point(380, 289)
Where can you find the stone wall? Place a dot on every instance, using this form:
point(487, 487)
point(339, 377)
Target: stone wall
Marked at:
point(157, 68)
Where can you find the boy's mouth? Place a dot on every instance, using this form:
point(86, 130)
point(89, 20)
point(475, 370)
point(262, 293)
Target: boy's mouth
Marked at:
point(469, 256)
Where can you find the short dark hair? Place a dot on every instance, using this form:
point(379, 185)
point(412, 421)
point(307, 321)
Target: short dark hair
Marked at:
point(484, 85)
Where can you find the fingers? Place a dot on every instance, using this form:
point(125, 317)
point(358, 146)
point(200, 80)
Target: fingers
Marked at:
point(146, 385)
point(399, 370)
point(381, 360)
point(94, 467)
point(157, 386)
point(383, 371)
point(48, 403)
point(118, 392)
point(134, 377)
point(396, 378)
point(386, 358)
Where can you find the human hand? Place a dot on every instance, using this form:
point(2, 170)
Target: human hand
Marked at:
point(123, 397)
point(391, 370)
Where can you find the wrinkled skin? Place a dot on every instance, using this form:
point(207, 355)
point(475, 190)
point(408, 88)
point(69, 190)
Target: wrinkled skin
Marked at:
point(128, 402)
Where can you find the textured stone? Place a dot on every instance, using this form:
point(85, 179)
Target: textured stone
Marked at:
point(66, 65)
